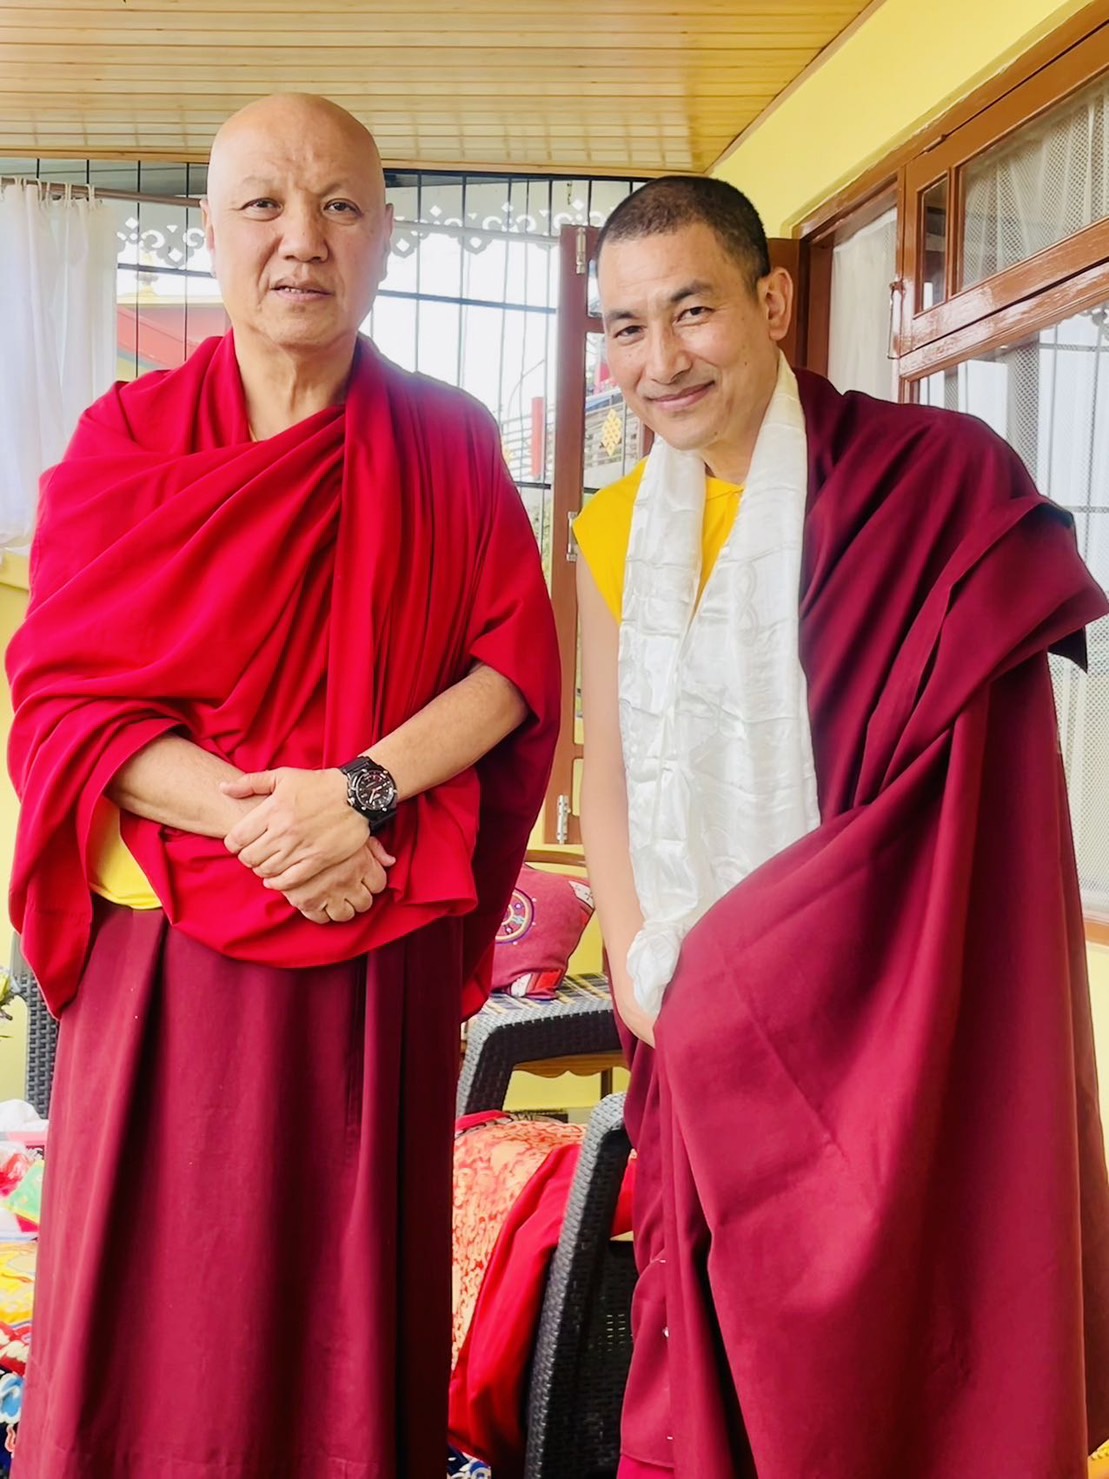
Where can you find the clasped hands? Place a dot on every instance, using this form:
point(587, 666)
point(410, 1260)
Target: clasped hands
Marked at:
point(304, 840)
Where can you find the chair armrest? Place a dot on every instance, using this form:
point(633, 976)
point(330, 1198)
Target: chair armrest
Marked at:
point(583, 1346)
point(510, 1030)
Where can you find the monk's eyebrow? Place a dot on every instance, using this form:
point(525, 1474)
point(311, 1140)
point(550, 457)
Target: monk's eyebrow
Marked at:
point(693, 289)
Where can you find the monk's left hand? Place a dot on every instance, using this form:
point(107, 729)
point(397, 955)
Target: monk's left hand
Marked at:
point(301, 827)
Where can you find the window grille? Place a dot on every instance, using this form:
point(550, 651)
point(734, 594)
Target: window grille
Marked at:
point(470, 296)
point(1049, 397)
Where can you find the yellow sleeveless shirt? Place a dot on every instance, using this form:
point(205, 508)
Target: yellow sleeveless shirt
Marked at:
point(604, 527)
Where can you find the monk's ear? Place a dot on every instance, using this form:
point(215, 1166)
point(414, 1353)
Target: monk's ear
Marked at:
point(206, 222)
point(776, 295)
point(386, 242)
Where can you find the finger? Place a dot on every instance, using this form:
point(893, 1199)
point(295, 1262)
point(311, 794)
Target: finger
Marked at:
point(267, 850)
point(360, 897)
point(380, 852)
point(375, 878)
point(257, 783)
point(284, 859)
point(317, 916)
point(248, 829)
point(311, 895)
point(285, 875)
point(340, 910)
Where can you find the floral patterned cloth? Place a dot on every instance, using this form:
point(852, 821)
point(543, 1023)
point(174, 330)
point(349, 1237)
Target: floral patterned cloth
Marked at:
point(495, 1157)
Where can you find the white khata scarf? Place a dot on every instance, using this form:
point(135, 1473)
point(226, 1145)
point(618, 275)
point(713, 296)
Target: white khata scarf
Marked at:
point(714, 717)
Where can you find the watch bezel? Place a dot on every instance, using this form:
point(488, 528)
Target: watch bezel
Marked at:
point(371, 790)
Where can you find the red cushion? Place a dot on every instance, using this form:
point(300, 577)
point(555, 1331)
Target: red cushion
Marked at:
point(541, 928)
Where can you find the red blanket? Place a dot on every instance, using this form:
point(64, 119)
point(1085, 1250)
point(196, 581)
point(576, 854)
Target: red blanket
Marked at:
point(874, 1215)
point(279, 603)
point(489, 1384)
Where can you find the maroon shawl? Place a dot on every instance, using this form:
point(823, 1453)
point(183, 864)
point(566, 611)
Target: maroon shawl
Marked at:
point(286, 602)
point(874, 1215)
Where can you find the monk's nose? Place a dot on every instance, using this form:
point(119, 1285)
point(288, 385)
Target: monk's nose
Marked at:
point(667, 356)
point(304, 237)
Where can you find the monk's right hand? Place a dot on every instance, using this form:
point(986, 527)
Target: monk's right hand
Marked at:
point(345, 889)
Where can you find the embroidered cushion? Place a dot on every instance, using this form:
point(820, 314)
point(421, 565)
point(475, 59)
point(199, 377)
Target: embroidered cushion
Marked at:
point(546, 916)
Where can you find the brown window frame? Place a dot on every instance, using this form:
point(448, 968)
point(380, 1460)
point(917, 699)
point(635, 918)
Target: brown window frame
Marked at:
point(1009, 302)
point(1011, 305)
point(964, 307)
point(576, 248)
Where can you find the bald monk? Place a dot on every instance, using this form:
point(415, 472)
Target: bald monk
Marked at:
point(826, 821)
point(285, 703)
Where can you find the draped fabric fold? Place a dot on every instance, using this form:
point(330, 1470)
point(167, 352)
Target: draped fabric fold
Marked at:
point(181, 580)
point(874, 1213)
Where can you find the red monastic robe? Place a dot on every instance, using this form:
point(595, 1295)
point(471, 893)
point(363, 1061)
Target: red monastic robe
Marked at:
point(873, 1214)
point(245, 1260)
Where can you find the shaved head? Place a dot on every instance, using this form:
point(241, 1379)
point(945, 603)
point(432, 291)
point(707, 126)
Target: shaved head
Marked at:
point(296, 117)
point(297, 226)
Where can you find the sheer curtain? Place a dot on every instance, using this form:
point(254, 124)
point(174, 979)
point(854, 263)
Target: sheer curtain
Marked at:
point(1045, 183)
point(57, 323)
point(863, 269)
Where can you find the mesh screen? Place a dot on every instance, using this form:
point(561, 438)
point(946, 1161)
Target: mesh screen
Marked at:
point(1049, 397)
point(1046, 181)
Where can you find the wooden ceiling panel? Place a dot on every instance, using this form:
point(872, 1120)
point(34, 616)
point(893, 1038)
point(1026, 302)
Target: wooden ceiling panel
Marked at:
point(626, 86)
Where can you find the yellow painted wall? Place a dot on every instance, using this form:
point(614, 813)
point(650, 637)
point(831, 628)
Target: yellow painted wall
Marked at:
point(903, 67)
point(1099, 995)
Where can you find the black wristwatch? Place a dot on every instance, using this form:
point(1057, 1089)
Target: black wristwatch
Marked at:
point(371, 791)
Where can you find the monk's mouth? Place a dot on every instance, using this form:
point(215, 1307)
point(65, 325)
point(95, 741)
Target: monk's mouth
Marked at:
point(684, 399)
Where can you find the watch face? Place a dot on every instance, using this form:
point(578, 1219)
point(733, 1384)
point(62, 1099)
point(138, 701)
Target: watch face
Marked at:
point(374, 791)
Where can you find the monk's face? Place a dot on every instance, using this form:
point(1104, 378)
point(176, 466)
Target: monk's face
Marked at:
point(297, 225)
point(691, 344)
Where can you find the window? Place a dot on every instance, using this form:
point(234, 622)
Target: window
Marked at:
point(1049, 397)
point(1003, 309)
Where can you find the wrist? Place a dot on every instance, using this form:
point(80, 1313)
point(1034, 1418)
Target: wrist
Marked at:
point(370, 790)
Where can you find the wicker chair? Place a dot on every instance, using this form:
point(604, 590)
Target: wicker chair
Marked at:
point(583, 1347)
point(511, 1030)
point(583, 1344)
point(42, 1032)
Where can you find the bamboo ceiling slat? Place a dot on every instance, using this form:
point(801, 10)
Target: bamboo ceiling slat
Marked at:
point(353, 10)
point(632, 86)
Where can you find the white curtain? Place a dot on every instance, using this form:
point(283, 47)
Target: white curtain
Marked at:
point(863, 270)
point(1049, 181)
point(57, 332)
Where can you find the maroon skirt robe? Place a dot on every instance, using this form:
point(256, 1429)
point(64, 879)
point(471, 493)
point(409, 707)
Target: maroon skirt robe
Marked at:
point(245, 1256)
point(873, 1211)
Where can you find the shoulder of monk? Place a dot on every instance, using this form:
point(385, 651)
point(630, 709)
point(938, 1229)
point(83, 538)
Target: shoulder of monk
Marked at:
point(615, 497)
point(438, 404)
point(134, 407)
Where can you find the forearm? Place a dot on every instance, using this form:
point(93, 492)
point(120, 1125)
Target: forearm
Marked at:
point(304, 824)
point(604, 829)
point(175, 782)
point(452, 733)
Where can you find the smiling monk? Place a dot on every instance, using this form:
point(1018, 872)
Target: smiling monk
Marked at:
point(285, 707)
point(826, 821)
